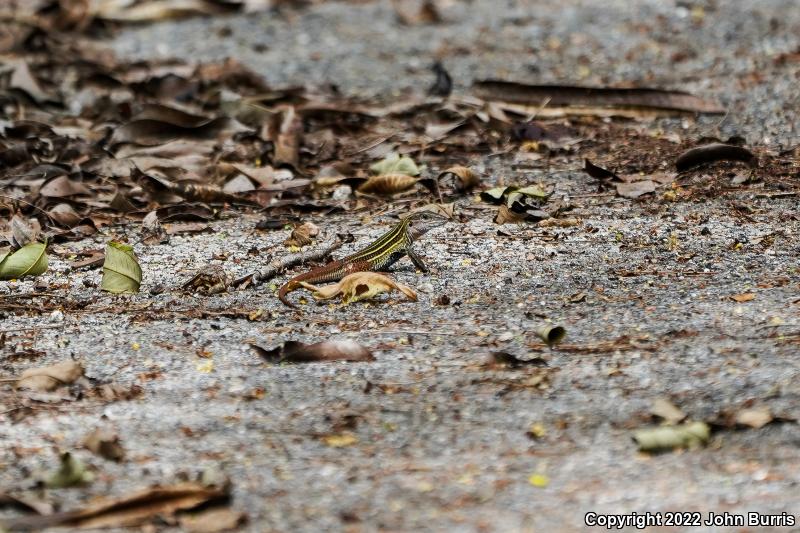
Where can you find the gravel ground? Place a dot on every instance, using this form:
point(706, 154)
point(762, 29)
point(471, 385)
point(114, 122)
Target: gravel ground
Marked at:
point(643, 289)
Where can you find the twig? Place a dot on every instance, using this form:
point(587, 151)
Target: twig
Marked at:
point(279, 266)
point(787, 194)
point(31, 328)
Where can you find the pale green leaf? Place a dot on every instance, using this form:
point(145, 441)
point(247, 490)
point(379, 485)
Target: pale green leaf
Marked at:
point(30, 260)
point(71, 472)
point(396, 164)
point(121, 271)
point(689, 435)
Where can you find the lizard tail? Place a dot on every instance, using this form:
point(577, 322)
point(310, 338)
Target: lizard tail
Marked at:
point(287, 287)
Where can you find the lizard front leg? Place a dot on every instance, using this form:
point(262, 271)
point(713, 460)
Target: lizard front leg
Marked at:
point(417, 260)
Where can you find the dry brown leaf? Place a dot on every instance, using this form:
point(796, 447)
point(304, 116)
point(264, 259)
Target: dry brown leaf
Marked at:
point(49, 378)
point(105, 443)
point(238, 184)
point(62, 187)
point(287, 138)
point(298, 352)
point(302, 235)
point(360, 286)
point(635, 189)
point(65, 215)
point(129, 511)
point(466, 179)
point(23, 231)
point(264, 176)
point(507, 216)
point(744, 297)
point(22, 78)
point(388, 184)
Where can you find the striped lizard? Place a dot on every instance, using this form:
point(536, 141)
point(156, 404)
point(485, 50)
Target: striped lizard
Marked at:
point(380, 255)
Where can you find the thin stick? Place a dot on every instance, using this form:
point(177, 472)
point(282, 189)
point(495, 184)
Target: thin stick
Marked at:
point(278, 267)
point(31, 328)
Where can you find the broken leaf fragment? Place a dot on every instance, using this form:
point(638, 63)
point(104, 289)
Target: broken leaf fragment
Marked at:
point(105, 443)
point(121, 270)
point(396, 164)
point(756, 417)
point(30, 260)
point(360, 286)
point(51, 377)
point(744, 297)
point(635, 189)
point(71, 472)
point(663, 408)
point(689, 435)
point(340, 440)
point(298, 352)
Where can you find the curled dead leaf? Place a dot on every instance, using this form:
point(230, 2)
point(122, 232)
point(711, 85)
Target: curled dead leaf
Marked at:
point(360, 286)
point(466, 179)
point(302, 235)
point(710, 153)
point(387, 184)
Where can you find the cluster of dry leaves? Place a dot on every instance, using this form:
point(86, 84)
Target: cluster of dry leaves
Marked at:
point(91, 140)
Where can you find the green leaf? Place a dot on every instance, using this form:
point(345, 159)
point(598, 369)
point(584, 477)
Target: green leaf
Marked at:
point(30, 260)
point(535, 191)
point(121, 271)
point(689, 435)
point(395, 164)
point(495, 196)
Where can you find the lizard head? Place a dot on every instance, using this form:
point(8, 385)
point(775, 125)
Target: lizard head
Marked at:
point(421, 222)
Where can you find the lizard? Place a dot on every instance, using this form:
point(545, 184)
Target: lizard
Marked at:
point(380, 255)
